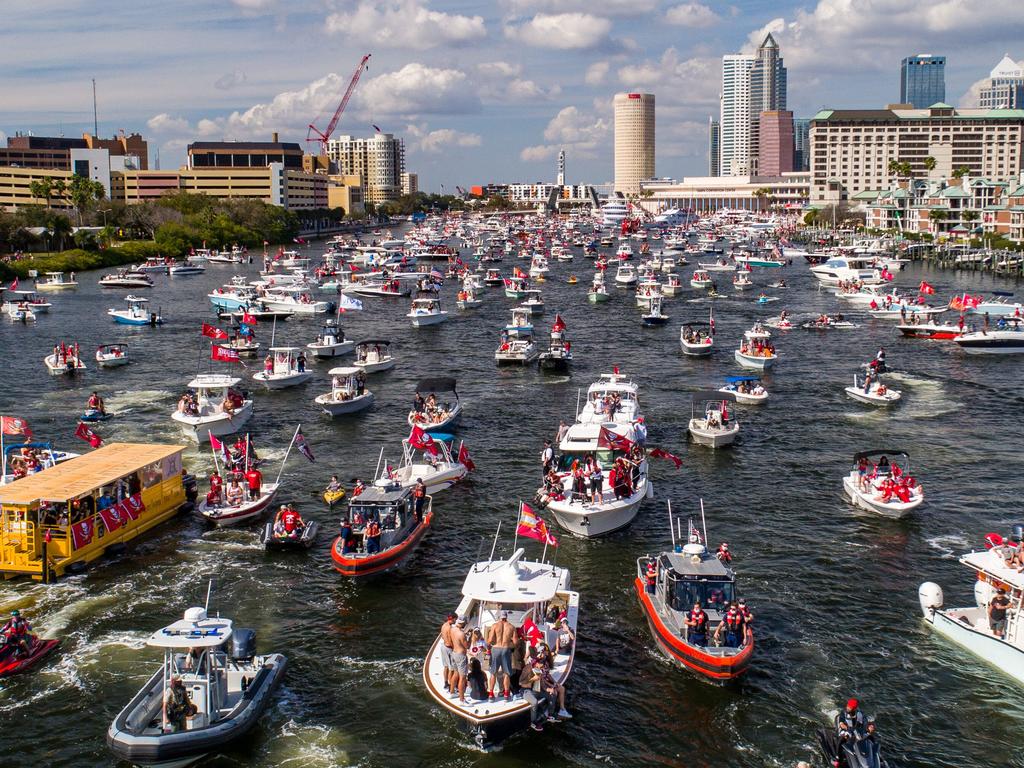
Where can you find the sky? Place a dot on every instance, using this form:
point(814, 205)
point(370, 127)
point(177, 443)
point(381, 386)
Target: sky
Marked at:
point(480, 91)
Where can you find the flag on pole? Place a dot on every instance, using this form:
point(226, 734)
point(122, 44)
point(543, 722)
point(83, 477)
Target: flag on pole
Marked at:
point(15, 426)
point(83, 432)
point(219, 447)
point(347, 302)
point(926, 288)
point(249, 319)
point(559, 325)
point(608, 439)
point(303, 446)
point(224, 354)
point(422, 441)
point(14, 285)
point(532, 527)
point(532, 632)
point(660, 453)
point(214, 332)
point(464, 459)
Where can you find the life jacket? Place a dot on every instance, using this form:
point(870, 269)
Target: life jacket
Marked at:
point(652, 573)
point(701, 620)
point(733, 620)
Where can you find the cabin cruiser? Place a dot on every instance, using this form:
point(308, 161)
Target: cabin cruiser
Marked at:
point(885, 486)
point(624, 252)
point(615, 392)
point(1005, 338)
point(613, 213)
point(56, 281)
point(374, 355)
point(220, 409)
point(840, 269)
point(287, 299)
point(126, 278)
point(331, 342)
point(348, 392)
point(112, 355)
point(748, 389)
point(402, 527)
point(625, 276)
point(435, 415)
point(284, 367)
point(137, 313)
point(224, 689)
point(713, 426)
point(435, 466)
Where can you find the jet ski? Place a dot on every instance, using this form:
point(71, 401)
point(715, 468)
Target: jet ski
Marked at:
point(91, 414)
point(842, 749)
point(12, 664)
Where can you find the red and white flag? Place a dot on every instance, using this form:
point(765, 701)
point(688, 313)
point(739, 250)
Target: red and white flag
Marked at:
point(131, 507)
point(559, 325)
point(214, 332)
point(926, 288)
point(532, 632)
point(249, 319)
point(422, 441)
point(81, 533)
point(224, 354)
point(464, 459)
point(82, 431)
point(608, 439)
point(15, 426)
point(532, 527)
point(113, 517)
point(660, 453)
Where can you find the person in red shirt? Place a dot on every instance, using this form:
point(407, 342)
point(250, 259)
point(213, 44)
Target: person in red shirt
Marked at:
point(292, 522)
point(216, 486)
point(254, 479)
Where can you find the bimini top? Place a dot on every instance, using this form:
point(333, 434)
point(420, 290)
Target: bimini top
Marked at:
point(344, 371)
point(382, 342)
point(195, 630)
point(868, 454)
point(439, 384)
point(696, 323)
point(738, 379)
point(212, 381)
point(712, 394)
point(512, 581)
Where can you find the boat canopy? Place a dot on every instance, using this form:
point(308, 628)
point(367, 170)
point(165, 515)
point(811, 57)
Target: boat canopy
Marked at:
point(115, 345)
point(696, 324)
point(705, 395)
point(382, 342)
point(193, 631)
point(738, 379)
point(512, 581)
point(213, 381)
point(438, 384)
point(9, 447)
point(345, 371)
point(868, 454)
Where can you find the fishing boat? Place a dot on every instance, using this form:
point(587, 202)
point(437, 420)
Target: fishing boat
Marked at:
point(748, 389)
point(758, 358)
point(185, 268)
point(1006, 338)
point(885, 487)
point(467, 297)
point(394, 509)
point(374, 355)
point(348, 393)
point(757, 332)
point(227, 684)
point(493, 277)
point(697, 339)
point(284, 367)
point(654, 314)
point(244, 344)
point(741, 281)
point(286, 299)
point(126, 278)
point(214, 391)
point(712, 425)
point(969, 627)
point(930, 330)
point(22, 300)
point(436, 416)
point(331, 342)
point(426, 311)
point(516, 287)
point(647, 289)
point(112, 355)
point(558, 356)
point(598, 292)
point(523, 592)
point(65, 360)
point(539, 267)
point(137, 313)
point(55, 281)
point(533, 302)
point(625, 275)
point(434, 465)
point(672, 286)
point(875, 393)
point(670, 583)
point(700, 279)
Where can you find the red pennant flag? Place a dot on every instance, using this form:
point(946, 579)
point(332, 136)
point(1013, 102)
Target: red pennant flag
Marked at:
point(15, 426)
point(464, 459)
point(217, 445)
point(14, 285)
point(660, 453)
point(224, 354)
point(113, 518)
point(214, 332)
point(83, 432)
point(608, 439)
point(81, 533)
point(559, 325)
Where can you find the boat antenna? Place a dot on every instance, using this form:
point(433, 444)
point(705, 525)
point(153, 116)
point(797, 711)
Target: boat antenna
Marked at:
point(494, 546)
point(209, 591)
point(703, 522)
point(285, 459)
point(579, 393)
point(671, 527)
point(380, 458)
point(519, 516)
point(273, 330)
point(479, 548)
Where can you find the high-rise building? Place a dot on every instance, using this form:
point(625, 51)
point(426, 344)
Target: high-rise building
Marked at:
point(767, 90)
point(561, 167)
point(734, 118)
point(379, 161)
point(634, 141)
point(923, 80)
point(410, 183)
point(714, 139)
point(775, 151)
point(1005, 86)
point(801, 144)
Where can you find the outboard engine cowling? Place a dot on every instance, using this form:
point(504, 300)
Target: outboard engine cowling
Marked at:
point(930, 595)
point(1018, 531)
point(983, 593)
point(243, 644)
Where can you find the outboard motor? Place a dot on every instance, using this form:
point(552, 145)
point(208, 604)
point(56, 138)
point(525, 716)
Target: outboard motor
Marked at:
point(243, 644)
point(930, 596)
point(1018, 532)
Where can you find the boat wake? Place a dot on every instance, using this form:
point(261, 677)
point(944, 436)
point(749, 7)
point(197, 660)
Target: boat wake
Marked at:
point(139, 400)
point(949, 545)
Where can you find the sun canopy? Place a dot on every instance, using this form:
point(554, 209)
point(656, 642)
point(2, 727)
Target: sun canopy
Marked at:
point(868, 454)
point(437, 384)
point(713, 394)
point(738, 379)
point(382, 342)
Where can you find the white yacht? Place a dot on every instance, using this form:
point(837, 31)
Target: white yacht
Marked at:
point(884, 486)
point(846, 269)
point(613, 212)
point(1006, 337)
point(611, 387)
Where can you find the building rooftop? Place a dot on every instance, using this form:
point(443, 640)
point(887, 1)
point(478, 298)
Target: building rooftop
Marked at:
point(288, 146)
point(869, 115)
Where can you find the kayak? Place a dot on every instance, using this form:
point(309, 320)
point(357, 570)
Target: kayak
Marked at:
point(333, 497)
point(11, 665)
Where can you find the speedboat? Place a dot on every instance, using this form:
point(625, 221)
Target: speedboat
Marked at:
point(347, 395)
point(426, 311)
point(22, 300)
point(714, 426)
point(436, 416)
point(286, 299)
point(185, 268)
point(654, 314)
point(284, 367)
point(401, 530)
point(533, 301)
point(697, 338)
point(615, 392)
point(331, 342)
point(516, 351)
point(435, 466)
point(718, 266)
point(748, 389)
point(112, 355)
point(700, 279)
point(126, 278)
point(997, 306)
point(899, 311)
point(886, 487)
point(226, 683)
point(55, 281)
point(136, 314)
point(670, 583)
point(213, 390)
point(1006, 338)
point(875, 393)
point(930, 330)
point(222, 513)
point(64, 361)
point(388, 289)
point(524, 592)
point(153, 264)
point(374, 355)
point(741, 281)
point(829, 323)
point(755, 356)
point(625, 276)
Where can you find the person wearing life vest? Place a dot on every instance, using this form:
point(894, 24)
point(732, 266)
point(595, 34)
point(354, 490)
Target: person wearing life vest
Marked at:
point(371, 537)
point(18, 632)
point(419, 495)
point(723, 553)
point(213, 498)
point(358, 488)
point(850, 722)
point(254, 479)
point(732, 626)
point(177, 706)
point(96, 403)
point(652, 575)
point(697, 626)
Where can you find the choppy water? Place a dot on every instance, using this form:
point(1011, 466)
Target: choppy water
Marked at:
point(834, 590)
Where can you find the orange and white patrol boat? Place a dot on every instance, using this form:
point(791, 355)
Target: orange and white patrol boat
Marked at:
point(361, 549)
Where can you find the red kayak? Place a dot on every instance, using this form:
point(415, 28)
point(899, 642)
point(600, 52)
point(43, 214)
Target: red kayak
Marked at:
point(12, 664)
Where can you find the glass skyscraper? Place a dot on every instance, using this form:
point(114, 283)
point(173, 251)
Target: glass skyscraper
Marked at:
point(923, 80)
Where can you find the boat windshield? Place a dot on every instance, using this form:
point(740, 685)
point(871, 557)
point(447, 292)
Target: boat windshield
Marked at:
point(683, 593)
point(388, 516)
point(605, 457)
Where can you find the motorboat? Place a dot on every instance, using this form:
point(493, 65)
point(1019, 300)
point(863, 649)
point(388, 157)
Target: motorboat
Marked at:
point(525, 592)
point(137, 313)
point(612, 398)
point(539, 267)
point(426, 311)
point(757, 332)
point(533, 301)
point(435, 415)
point(655, 315)
point(387, 289)
point(493, 277)
point(348, 392)
point(247, 313)
point(300, 302)
point(432, 463)
point(670, 583)
point(330, 342)
point(712, 425)
point(126, 278)
point(21, 300)
point(625, 275)
point(112, 355)
point(902, 311)
point(697, 338)
point(235, 297)
point(624, 252)
point(558, 356)
point(760, 260)
point(467, 297)
point(624, 485)
point(646, 290)
point(598, 290)
point(756, 356)
point(226, 688)
point(20, 313)
point(700, 279)
point(65, 360)
point(401, 530)
point(276, 538)
point(884, 486)
point(721, 265)
point(741, 281)
point(185, 268)
point(16, 455)
point(1006, 338)
point(748, 389)
point(521, 323)
point(998, 305)
point(829, 323)
point(516, 287)
point(374, 355)
point(969, 627)
point(930, 330)
point(672, 285)
point(284, 367)
point(222, 512)
point(847, 269)
point(214, 391)
point(154, 264)
point(56, 281)
point(243, 341)
point(872, 390)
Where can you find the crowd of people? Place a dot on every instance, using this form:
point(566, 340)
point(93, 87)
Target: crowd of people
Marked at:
point(428, 410)
point(887, 481)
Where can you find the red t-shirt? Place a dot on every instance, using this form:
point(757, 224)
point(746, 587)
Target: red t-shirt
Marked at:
point(254, 477)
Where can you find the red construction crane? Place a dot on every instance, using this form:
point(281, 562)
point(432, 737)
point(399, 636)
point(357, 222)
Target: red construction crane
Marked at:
point(324, 136)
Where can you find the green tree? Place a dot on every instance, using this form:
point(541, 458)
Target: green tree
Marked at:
point(929, 163)
point(763, 196)
point(83, 192)
point(42, 189)
point(960, 172)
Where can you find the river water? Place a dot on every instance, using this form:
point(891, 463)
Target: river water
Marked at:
point(834, 591)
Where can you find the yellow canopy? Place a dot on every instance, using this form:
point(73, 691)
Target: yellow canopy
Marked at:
point(76, 477)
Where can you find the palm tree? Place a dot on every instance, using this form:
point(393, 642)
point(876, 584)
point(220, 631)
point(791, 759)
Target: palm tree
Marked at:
point(42, 189)
point(929, 163)
point(84, 191)
point(762, 194)
point(937, 217)
point(960, 172)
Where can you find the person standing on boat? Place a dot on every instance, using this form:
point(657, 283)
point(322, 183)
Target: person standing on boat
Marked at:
point(371, 537)
point(501, 637)
point(997, 608)
point(460, 658)
point(448, 666)
point(300, 362)
point(563, 430)
point(652, 575)
point(547, 457)
point(419, 495)
point(697, 626)
point(268, 364)
point(254, 479)
point(732, 626)
point(216, 487)
point(177, 706)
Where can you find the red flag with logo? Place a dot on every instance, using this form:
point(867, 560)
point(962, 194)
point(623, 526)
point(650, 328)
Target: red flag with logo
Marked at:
point(422, 441)
point(224, 354)
point(81, 533)
point(660, 453)
point(113, 517)
point(249, 319)
point(559, 325)
point(214, 332)
point(532, 527)
point(464, 459)
point(15, 426)
point(83, 432)
point(133, 506)
point(608, 439)
point(532, 632)
point(926, 288)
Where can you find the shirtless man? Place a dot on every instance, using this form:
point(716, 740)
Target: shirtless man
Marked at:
point(446, 652)
point(501, 636)
point(460, 659)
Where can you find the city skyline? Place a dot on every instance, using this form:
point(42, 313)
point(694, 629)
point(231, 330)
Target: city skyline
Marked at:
point(480, 92)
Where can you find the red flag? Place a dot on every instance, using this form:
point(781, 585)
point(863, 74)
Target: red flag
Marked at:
point(83, 432)
point(113, 517)
point(660, 453)
point(217, 445)
point(81, 533)
point(532, 527)
point(532, 632)
point(559, 325)
point(464, 458)
point(608, 439)
point(224, 354)
point(422, 441)
point(214, 332)
point(15, 426)
point(249, 319)
point(14, 285)
point(925, 288)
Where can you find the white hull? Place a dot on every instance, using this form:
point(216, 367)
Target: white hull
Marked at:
point(111, 361)
point(746, 398)
point(199, 428)
point(224, 514)
point(588, 520)
point(1005, 657)
point(325, 351)
point(713, 438)
point(696, 350)
point(868, 501)
point(419, 321)
point(299, 308)
point(341, 407)
point(56, 369)
point(375, 367)
point(754, 362)
point(437, 479)
point(891, 397)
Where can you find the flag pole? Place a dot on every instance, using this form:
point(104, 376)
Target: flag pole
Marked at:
point(284, 461)
point(216, 466)
point(545, 552)
point(519, 517)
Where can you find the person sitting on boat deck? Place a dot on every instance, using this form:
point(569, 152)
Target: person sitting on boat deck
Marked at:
point(96, 404)
point(234, 493)
point(254, 479)
point(501, 636)
point(460, 658)
point(732, 626)
point(177, 706)
point(566, 637)
point(532, 684)
point(697, 626)
point(213, 498)
point(371, 537)
point(651, 575)
point(18, 632)
point(997, 608)
point(553, 688)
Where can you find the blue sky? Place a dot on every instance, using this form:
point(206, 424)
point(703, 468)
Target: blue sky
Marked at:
point(480, 91)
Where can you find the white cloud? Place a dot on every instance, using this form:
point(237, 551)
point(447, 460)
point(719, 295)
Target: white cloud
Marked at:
point(596, 73)
point(254, 5)
point(605, 7)
point(436, 141)
point(694, 81)
point(230, 80)
point(165, 123)
point(691, 15)
point(581, 134)
point(537, 153)
point(501, 82)
point(561, 31)
point(418, 89)
point(405, 24)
